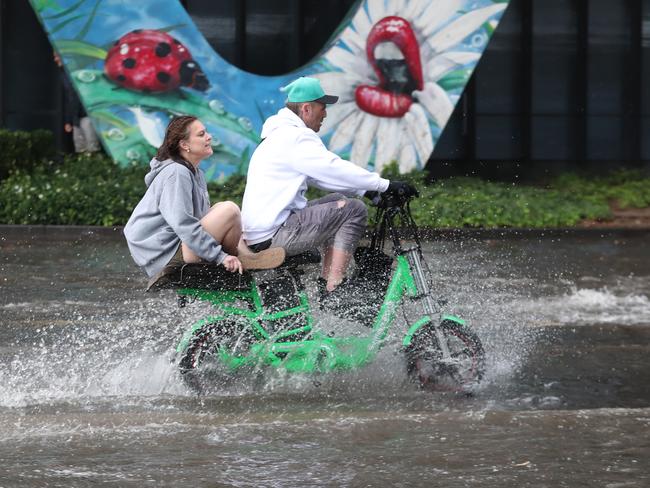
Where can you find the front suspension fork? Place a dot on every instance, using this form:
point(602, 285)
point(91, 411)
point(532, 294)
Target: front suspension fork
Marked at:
point(424, 292)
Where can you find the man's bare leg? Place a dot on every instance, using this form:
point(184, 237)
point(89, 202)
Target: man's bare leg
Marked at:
point(335, 263)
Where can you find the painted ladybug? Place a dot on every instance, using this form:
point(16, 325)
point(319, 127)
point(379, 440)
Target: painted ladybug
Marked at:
point(151, 61)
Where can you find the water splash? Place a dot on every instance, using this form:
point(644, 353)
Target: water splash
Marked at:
point(586, 306)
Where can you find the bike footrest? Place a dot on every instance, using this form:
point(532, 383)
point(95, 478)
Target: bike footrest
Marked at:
point(307, 257)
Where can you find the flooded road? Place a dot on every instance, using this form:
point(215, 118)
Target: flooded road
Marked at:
point(90, 394)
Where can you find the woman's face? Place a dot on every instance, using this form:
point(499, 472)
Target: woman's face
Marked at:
point(198, 142)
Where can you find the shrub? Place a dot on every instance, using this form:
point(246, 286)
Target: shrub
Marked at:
point(24, 150)
point(93, 190)
point(625, 188)
point(232, 189)
point(472, 202)
point(84, 189)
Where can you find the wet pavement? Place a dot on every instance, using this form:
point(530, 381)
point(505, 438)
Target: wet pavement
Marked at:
point(90, 393)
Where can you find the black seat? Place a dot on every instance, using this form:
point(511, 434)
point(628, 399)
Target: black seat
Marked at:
point(215, 277)
point(199, 275)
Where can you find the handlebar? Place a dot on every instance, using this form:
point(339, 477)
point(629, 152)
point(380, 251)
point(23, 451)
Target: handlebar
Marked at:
point(399, 200)
point(393, 219)
point(392, 199)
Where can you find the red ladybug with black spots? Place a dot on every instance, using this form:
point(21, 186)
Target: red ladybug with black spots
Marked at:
point(151, 61)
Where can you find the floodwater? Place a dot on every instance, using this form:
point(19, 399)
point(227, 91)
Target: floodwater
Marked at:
point(90, 395)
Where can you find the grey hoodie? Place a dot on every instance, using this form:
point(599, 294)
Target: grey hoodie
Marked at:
point(169, 213)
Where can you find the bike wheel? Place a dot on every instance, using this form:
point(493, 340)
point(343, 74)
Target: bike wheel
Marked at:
point(200, 365)
point(425, 363)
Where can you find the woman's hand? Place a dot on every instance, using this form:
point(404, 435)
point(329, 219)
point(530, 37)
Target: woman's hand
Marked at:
point(232, 264)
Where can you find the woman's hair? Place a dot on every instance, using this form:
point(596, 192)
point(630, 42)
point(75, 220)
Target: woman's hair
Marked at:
point(177, 130)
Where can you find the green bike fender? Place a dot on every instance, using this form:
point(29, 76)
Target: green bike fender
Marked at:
point(453, 318)
point(424, 321)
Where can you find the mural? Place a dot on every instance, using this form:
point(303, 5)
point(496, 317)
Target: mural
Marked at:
point(398, 66)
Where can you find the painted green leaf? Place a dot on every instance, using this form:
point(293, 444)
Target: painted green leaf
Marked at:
point(40, 5)
point(64, 23)
point(63, 13)
point(84, 30)
point(111, 119)
point(80, 48)
point(455, 79)
point(98, 92)
point(172, 27)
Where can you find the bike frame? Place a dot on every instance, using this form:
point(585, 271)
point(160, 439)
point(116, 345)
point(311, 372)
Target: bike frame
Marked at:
point(316, 352)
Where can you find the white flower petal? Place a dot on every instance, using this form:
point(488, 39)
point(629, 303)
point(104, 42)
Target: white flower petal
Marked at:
point(440, 65)
point(339, 84)
point(462, 27)
point(363, 139)
point(348, 62)
point(461, 58)
point(437, 67)
point(407, 158)
point(345, 132)
point(360, 21)
point(376, 11)
point(436, 14)
point(354, 41)
point(395, 7)
point(336, 113)
point(436, 101)
point(419, 131)
point(413, 9)
point(389, 139)
point(149, 126)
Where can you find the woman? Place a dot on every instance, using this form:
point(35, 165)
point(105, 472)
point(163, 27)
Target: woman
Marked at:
point(174, 224)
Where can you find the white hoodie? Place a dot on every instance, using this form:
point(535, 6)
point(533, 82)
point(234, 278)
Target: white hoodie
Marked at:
point(290, 158)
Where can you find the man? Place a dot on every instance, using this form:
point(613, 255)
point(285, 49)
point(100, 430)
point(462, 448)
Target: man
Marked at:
point(290, 158)
point(76, 120)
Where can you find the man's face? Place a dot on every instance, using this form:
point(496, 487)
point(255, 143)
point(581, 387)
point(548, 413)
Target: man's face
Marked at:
point(313, 115)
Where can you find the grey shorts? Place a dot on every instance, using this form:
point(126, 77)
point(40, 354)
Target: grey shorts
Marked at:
point(323, 223)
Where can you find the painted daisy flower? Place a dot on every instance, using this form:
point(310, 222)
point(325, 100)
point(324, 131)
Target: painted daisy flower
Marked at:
point(386, 69)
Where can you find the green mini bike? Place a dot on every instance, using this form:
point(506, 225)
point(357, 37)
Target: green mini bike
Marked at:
point(265, 318)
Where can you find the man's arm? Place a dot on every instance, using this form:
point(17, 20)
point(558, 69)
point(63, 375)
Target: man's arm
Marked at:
point(328, 171)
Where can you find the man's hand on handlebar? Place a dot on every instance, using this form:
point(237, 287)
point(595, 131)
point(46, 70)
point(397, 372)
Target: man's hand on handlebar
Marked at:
point(397, 194)
point(401, 189)
point(373, 196)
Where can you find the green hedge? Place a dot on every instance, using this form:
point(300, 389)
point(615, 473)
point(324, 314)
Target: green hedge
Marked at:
point(83, 190)
point(24, 150)
point(93, 190)
point(563, 202)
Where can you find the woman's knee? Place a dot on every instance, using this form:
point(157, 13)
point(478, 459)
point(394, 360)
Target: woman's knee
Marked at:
point(227, 207)
point(225, 212)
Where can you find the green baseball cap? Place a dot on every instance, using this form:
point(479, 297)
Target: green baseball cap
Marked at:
point(306, 89)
